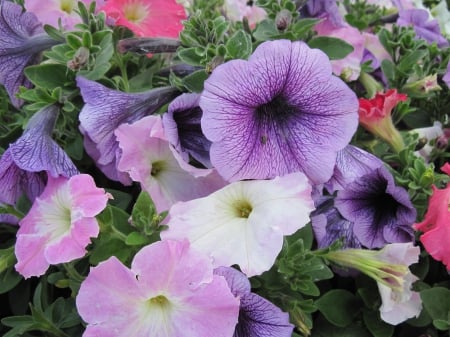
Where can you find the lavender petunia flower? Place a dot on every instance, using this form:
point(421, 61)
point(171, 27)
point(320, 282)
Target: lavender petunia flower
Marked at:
point(182, 127)
point(329, 225)
point(36, 151)
point(104, 110)
point(281, 111)
point(425, 29)
point(351, 163)
point(381, 211)
point(257, 316)
point(319, 8)
point(22, 39)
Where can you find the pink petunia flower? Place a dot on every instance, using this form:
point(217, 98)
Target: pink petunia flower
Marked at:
point(375, 116)
point(436, 224)
point(50, 11)
point(59, 225)
point(244, 222)
point(236, 10)
point(170, 291)
point(147, 18)
point(149, 159)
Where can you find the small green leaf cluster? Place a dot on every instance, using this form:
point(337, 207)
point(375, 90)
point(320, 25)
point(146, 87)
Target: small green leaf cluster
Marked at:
point(363, 15)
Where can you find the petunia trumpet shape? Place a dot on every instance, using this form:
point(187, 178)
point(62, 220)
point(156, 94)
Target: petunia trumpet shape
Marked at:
point(375, 116)
point(104, 110)
point(170, 291)
point(257, 316)
point(244, 222)
point(147, 18)
point(281, 111)
point(389, 268)
point(59, 225)
point(435, 227)
point(22, 39)
point(149, 159)
point(381, 211)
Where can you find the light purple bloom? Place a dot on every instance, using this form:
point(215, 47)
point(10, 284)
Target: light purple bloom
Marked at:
point(257, 316)
point(281, 111)
point(320, 8)
point(36, 151)
point(149, 159)
point(169, 291)
point(104, 110)
point(22, 39)
point(381, 211)
point(183, 130)
point(351, 163)
point(425, 29)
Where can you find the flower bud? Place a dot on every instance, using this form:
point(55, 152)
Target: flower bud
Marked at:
point(283, 19)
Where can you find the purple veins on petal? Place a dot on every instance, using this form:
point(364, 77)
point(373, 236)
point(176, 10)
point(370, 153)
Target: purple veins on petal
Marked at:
point(257, 316)
point(104, 110)
point(36, 151)
point(381, 211)
point(281, 111)
point(183, 129)
point(22, 39)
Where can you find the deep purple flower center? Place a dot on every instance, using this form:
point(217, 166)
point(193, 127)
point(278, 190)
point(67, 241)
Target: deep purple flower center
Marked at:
point(188, 124)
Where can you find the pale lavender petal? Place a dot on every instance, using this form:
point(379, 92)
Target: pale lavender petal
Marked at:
point(21, 41)
point(36, 151)
point(382, 212)
point(183, 130)
point(263, 116)
point(105, 109)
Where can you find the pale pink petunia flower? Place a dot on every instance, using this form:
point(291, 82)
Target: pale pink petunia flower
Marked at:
point(50, 11)
point(170, 291)
point(59, 225)
point(149, 159)
point(147, 18)
point(237, 10)
point(244, 222)
point(398, 305)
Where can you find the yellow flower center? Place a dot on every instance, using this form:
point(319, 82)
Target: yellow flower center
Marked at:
point(157, 167)
point(242, 208)
point(135, 11)
point(67, 6)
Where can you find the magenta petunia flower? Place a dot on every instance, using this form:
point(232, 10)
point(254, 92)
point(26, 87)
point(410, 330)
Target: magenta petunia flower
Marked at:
point(104, 110)
point(257, 316)
point(279, 112)
point(149, 159)
point(170, 291)
point(59, 225)
point(183, 130)
point(244, 222)
point(22, 39)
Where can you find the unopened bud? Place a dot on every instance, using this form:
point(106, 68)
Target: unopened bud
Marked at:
point(422, 87)
point(283, 19)
point(79, 60)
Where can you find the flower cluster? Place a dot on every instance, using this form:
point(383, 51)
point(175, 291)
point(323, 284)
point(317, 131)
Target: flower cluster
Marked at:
point(224, 168)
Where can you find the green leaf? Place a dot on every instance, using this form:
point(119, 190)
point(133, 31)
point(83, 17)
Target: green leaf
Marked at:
point(338, 306)
point(194, 82)
point(136, 239)
point(239, 46)
point(48, 76)
point(388, 68)
point(143, 212)
point(303, 26)
point(408, 61)
point(8, 280)
point(190, 56)
point(107, 246)
point(335, 48)
point(436, 302)
point(376, 326)
point(265, 30)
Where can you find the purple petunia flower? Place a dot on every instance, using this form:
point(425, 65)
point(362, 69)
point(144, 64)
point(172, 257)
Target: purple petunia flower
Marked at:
point(381, 211)
point(22, 39)
point(104, 110)
point(351, 163)
point(24, 163)
point(329, 225)
point(319, 8)
point(182, 128)
point(425, 29)
point(279, 112)
point(257, 316)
